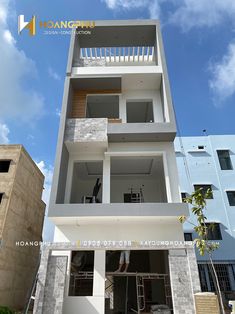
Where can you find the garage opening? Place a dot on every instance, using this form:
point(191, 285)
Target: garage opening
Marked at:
point(142, 287)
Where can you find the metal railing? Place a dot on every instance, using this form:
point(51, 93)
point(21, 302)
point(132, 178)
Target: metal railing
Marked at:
point(118, 54)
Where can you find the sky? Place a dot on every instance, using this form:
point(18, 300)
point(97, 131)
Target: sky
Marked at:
point(199, 42)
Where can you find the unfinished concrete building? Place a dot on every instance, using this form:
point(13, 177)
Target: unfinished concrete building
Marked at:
point(115, 196)
point(21, 220)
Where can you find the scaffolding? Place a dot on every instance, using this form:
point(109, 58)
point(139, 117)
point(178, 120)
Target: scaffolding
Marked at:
point(140, 279)
point(140, 286)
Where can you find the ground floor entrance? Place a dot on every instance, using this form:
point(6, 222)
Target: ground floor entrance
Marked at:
point(117, 281)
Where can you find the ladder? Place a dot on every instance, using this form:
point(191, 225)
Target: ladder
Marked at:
point(137, 195)
point(140, 294)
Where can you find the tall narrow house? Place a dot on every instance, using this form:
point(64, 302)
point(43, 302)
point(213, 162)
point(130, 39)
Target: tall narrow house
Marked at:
point(115, 196)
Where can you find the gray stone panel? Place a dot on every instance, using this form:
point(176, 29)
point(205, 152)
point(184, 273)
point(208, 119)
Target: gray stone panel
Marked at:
point(184, 280)
point(51, 284)
point(86, 130)
point(55, 285)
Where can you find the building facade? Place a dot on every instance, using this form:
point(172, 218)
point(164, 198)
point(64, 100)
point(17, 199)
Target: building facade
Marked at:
point(21, 219)
point(115, 196)
point(209, 162)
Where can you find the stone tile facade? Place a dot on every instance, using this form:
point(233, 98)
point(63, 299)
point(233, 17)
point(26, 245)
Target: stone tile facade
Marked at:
point(86, 130)
point(184, 280)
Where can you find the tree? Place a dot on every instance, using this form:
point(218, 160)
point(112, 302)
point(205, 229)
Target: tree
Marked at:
point(197, 200)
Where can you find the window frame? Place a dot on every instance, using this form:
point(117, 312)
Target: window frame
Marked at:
point(210, 235)
point(190, 234)
point(209, 186)
point(228, 161)
point(229, 198)
point(5, 160)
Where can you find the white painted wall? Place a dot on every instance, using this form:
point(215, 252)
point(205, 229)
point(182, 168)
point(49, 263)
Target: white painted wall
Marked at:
point(153, 188)
point(163, 230)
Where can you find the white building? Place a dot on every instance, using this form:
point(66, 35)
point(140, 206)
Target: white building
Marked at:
point(209, 161)
point(115, 184)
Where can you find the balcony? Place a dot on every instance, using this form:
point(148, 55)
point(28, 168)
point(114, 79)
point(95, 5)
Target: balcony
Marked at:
point(116, 56)
point(129, 188)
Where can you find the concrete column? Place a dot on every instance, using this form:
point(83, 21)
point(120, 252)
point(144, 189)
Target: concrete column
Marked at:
point(122, 108)
point(158, 109)
point(106, 180)
point(167, 179)
point(181, 283)
point(69, 179)
point(99, 279)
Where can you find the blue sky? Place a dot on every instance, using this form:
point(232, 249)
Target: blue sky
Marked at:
point(199, 39)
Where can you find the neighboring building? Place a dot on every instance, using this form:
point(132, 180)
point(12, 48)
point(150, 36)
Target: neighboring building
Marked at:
point(115, 184)
point(209, 162)
point(21, 219)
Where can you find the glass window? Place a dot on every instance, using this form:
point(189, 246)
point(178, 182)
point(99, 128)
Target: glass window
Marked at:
point(213, 231)
point(231, 197)
point(183, 196)
point(224, 159)
point(204, 187)
point(188, 236)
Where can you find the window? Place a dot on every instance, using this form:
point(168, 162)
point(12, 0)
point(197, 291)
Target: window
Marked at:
point(188, 236)
point(4, 165)
point(1, 197)
point(183, 196)
point(223, 272)
point(231, 197)
point(204, 187)
point(213, 231)
point(200, 147)
point(102, 106)
point(224, 159)
point(139, 111)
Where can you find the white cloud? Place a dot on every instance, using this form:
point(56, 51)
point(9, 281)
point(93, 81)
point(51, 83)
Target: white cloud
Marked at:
point(58, 112)
point(53, 74)
point(4, 132)
point(153, 7)
point(3, 11)
point(48, 173)
point(16, 100)
point(48, 229)
point(222, 82)
point(185, 13)
point(201, 13)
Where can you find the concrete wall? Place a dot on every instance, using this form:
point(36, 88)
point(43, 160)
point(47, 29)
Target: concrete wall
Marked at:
point(23, 222)
point(118, 230)
point(203, 168)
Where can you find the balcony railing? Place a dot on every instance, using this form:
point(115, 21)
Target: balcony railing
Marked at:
point(103, 56)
